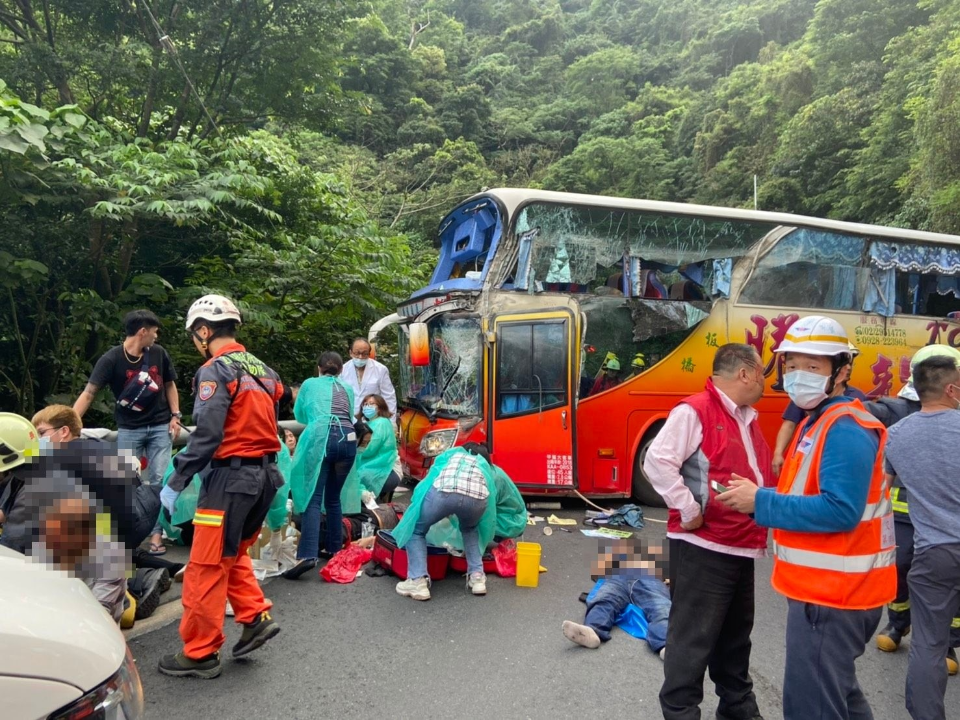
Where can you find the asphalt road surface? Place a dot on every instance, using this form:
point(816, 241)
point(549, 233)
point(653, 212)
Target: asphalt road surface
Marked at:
point(361, 651)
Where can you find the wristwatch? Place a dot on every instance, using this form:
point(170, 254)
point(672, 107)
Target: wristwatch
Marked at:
point(178, 415)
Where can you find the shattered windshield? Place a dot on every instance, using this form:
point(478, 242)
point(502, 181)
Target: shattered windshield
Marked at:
point(581, 248)
point(450, 383)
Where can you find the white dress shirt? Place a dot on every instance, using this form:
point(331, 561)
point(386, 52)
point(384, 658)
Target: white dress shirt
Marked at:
point(376, 381)
point(680, 437)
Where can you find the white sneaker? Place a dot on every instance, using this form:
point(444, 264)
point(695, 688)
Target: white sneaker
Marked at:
point(418, 589)
point(477, 583)
point(582, 635)
point(229, 609)
point(663, 651)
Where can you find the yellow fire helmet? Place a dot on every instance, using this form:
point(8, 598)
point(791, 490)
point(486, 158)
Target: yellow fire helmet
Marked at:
point(19, 441)
point(639, 361)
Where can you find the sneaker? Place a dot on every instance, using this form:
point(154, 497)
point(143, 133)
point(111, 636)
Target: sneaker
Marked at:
point(889, 638)
point(418, 589)
point(477, 583)
point(229, 611)
point(952, 665)
point(166, 581)
point(180, 573)
point(663, 652)
point(582, 635)
point(256, 634)
point(302, 566)
point(180, 665)
point(150, 587)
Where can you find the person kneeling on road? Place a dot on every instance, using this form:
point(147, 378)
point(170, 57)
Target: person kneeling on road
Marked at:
point(236, 434)
point(631, 576)
point(460, 485)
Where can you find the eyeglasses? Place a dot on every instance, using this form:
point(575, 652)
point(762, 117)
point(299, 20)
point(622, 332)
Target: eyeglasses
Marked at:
point(46, 431)
point(360, 353)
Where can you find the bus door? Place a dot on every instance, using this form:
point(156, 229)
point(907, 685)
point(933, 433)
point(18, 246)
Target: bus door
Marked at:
point(532, 429)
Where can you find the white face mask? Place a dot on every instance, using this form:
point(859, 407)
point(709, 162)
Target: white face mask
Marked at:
point(46, 445)
point(806, 389)
point(359, 362)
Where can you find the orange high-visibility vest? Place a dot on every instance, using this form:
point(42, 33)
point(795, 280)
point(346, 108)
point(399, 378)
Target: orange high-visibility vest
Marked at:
point(854, 570)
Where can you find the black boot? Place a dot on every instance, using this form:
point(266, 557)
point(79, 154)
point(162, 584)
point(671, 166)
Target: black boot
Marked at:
point(889, 638)
point(256, 634)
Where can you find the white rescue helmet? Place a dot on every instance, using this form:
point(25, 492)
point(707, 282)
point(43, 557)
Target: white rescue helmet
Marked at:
point(817, 335)
point(213, 308)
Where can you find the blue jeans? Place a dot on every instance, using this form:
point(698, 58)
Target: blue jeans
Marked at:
point(437, 506)
point(334, 469)
point(646, 592)
point(155, 444)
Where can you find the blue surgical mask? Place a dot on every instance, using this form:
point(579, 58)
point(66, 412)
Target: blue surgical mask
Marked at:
point(46, 445)
point(806, 389)
point(369, 411)
point(359, 362)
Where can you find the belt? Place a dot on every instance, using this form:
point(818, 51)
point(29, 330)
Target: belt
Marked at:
point(236, 462)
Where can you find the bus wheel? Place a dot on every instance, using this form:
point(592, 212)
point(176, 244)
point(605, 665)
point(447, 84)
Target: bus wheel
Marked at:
point(643, 491)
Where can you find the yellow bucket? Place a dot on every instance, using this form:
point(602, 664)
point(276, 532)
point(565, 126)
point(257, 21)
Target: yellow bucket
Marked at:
point(528, 564)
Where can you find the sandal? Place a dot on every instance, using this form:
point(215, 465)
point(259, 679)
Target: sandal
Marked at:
point(157, 549)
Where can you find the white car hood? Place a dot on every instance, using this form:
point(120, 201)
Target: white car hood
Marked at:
point(52, 627)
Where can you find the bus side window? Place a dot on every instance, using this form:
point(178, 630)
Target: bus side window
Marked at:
point(811, 269)
point(531, 367)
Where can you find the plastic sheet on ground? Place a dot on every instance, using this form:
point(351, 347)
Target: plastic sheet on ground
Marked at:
point(346, 564)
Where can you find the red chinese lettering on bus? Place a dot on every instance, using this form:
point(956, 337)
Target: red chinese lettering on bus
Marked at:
point(756, 338)
point(882, 377)
point(904, 369)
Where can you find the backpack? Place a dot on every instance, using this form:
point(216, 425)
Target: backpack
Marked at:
point(141, 391)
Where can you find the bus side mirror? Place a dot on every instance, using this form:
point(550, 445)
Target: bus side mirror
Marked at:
point(419, 345)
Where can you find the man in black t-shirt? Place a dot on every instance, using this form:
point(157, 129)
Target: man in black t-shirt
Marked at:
point(147, 411)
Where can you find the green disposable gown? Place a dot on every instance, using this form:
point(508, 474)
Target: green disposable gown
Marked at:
point(313, 410)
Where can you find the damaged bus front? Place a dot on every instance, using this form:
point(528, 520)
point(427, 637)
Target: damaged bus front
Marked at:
point(561, 329)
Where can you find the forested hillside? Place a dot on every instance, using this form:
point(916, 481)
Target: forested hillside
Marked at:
point(297, 155)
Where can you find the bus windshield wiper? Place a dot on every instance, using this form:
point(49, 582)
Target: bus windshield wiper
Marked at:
point(435, 410)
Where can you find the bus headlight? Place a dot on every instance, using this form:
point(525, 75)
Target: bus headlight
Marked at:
point(437, 441)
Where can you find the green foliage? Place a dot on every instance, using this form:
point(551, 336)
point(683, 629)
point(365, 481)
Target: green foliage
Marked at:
point(342, 132)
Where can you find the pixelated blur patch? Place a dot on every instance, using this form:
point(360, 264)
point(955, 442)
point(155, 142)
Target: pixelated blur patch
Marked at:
point(207, 389)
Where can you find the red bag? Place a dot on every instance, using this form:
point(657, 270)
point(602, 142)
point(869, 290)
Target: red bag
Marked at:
point(505, 555)
point(344, 566)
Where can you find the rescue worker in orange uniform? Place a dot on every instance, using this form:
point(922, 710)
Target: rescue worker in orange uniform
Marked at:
point(834, 542)
point(234, 448)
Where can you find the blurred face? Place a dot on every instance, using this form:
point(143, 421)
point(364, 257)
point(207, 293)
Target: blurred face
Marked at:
point(54, 435)
point(290, 439)
point(69, 532)
point(360, 350)
point(148, 336)
point(817, 364)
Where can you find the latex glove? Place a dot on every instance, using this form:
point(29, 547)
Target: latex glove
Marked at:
point(168, 498)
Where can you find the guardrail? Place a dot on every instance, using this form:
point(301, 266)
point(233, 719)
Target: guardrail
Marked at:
point(185, 432)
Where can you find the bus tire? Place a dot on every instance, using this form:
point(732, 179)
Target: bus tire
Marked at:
point(643, 491)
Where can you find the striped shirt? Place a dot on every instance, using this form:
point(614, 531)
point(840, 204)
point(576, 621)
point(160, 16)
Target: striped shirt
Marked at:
point(463, 475)
point(340, 409)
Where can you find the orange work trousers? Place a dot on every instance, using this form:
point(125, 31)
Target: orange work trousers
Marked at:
point(206, 588)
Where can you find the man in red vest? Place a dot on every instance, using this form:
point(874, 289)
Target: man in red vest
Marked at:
point(834, 543)
point(708, 439)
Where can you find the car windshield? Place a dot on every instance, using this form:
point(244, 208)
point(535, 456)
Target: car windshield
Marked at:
point(449, 384)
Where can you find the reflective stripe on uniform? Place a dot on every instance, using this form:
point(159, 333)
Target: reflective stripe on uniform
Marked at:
point(838, 563)
point(899, 505)
point(872, 511)
point(900, 607)
point(956, 623)
point(799, 485)
point(210, 518)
